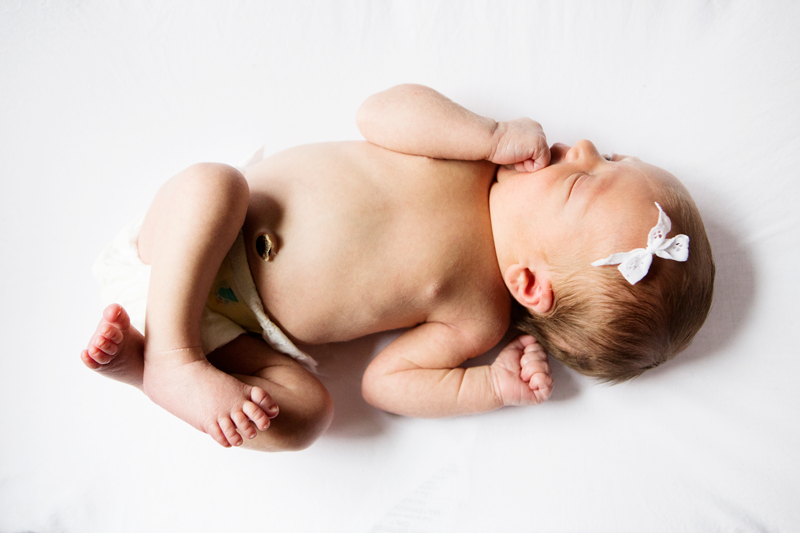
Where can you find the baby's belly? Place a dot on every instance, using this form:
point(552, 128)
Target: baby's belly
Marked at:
point(363, 240)
point(329, 279)
point(317, 293)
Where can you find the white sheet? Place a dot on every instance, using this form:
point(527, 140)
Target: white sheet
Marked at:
point(103, 101)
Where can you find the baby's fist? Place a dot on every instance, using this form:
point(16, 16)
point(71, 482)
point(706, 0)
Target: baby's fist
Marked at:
point(521, 374)
point(536, 371)
point(522, 143)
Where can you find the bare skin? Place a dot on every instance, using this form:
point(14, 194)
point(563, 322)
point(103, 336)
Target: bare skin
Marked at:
point(307, 285)
point(117, 351)
point(433, 225)
point(367, 239)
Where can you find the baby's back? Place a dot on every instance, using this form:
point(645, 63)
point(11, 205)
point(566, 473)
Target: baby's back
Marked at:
point(369, 240)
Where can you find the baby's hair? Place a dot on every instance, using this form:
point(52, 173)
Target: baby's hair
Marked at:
point(604, 327)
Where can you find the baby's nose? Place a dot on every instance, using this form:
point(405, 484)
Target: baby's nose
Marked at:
point(583, 150)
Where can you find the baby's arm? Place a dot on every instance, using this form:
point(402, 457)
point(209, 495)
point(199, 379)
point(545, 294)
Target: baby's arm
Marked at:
point(415, 119)
point(419, 375)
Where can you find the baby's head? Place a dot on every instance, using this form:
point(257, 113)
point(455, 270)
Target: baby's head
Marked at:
point(551, 225)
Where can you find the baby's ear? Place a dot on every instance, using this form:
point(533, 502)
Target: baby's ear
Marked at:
point(532, 289)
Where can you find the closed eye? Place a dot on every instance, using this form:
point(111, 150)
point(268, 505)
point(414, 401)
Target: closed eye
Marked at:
point(575, 184)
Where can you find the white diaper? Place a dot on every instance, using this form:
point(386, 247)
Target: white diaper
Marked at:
point(124, 279)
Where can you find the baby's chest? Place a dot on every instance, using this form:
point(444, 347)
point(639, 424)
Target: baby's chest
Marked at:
point(340, 275)
point(356, 253)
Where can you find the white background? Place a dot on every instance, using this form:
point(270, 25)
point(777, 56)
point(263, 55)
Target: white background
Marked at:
point(102, 101)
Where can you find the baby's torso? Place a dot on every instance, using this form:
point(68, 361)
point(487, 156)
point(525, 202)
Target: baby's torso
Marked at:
point(369, 240)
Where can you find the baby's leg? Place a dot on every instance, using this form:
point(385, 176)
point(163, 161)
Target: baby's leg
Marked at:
point(188, 230)
point(306, 409)
point(117, 351)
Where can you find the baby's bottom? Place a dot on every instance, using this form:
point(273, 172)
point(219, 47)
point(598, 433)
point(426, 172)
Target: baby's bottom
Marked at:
point(117, 351)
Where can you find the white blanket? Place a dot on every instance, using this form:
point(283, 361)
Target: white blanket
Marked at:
point(103, 101)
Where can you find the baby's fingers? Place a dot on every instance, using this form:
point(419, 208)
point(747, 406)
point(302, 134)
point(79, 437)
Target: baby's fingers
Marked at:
point(532, 165)
point(525, 166)
point(540, 158)
point(533, 352)
point(532, 368)
point(542, 386)
point(533, 361)
point(523, 342)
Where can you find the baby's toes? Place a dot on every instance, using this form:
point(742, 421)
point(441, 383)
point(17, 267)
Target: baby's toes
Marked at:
point(88, 361)
point(257, 415)
point(116, 314)
point(244, 425)
point(102, 350)
point(215, 432)
point(111, 333)
point(264, 401)
point(229, 430)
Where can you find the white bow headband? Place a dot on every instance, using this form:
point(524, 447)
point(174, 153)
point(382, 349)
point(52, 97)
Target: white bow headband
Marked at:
point(635, 264)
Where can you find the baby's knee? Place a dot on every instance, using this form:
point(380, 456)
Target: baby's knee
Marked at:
point(217, 179)
point(311, 420)
point(300, 422)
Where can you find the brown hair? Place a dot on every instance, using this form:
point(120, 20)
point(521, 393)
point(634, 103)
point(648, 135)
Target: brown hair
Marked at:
point(604, 327)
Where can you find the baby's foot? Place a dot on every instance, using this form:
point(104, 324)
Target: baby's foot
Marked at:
point(116, 349)
point(184, 383)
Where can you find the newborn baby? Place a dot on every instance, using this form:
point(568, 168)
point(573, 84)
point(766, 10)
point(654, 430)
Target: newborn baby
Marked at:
point(443, 222)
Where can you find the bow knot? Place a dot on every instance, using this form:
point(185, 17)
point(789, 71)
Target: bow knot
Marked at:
point(635, 264)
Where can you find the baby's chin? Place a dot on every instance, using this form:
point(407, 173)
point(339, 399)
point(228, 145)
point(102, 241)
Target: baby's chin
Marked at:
point(503, 172)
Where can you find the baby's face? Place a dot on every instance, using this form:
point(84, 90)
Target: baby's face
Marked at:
point(581, 202)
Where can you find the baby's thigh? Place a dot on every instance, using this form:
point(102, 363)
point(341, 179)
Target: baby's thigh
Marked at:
point(306, 408)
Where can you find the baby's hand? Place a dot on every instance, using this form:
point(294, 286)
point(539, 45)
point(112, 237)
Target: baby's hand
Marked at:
point(521, 143)
point(521, 374)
